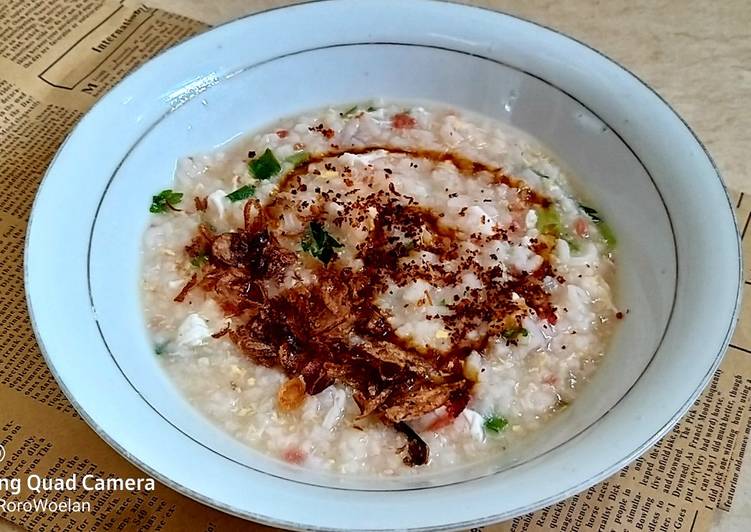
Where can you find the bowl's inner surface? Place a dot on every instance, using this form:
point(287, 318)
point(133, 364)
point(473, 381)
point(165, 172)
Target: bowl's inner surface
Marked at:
point(607, 173)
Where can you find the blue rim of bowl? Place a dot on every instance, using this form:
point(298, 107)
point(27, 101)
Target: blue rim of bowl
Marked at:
point(453, 526)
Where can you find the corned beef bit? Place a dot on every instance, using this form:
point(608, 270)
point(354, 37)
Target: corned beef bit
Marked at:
point(294, 455)
point(305, 330)
point(403, 121)
point(327, 132)
point(201, 203)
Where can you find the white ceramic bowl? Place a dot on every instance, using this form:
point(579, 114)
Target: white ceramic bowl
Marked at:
point(634, 157)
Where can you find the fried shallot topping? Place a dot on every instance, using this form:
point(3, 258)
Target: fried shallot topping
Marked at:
point(291, 394)
point(330, 329)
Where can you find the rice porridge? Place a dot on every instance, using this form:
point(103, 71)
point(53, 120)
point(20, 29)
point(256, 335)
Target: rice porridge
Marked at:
point(378, 290)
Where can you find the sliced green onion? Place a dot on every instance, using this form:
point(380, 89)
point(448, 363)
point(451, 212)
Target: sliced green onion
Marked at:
point(298, 158)
point(265, 166)
point(607, 234)
point(605, 230)
point(573, 243)
point(199, 261)
point(495, 423)
point(549, 221)
point(592, 213)
point(544, 176)
point(514, 333)
point(242, 193)
point(160, 349)
point(166, 199)
point(319, 243)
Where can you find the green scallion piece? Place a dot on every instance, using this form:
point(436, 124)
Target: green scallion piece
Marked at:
point(607, 234)
point(495, 423)
point(242, 193)
point(544, 176)
point(265, 166)
point(298, 158)
point(549, 221)
point(319, 243)
point(160, 349)
point(166, 199)
point(514, 333)
point(592, 213)
point(199, 261)
point(605, 230)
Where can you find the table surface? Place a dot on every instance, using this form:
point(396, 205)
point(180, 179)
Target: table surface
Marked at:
point(696, 54)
